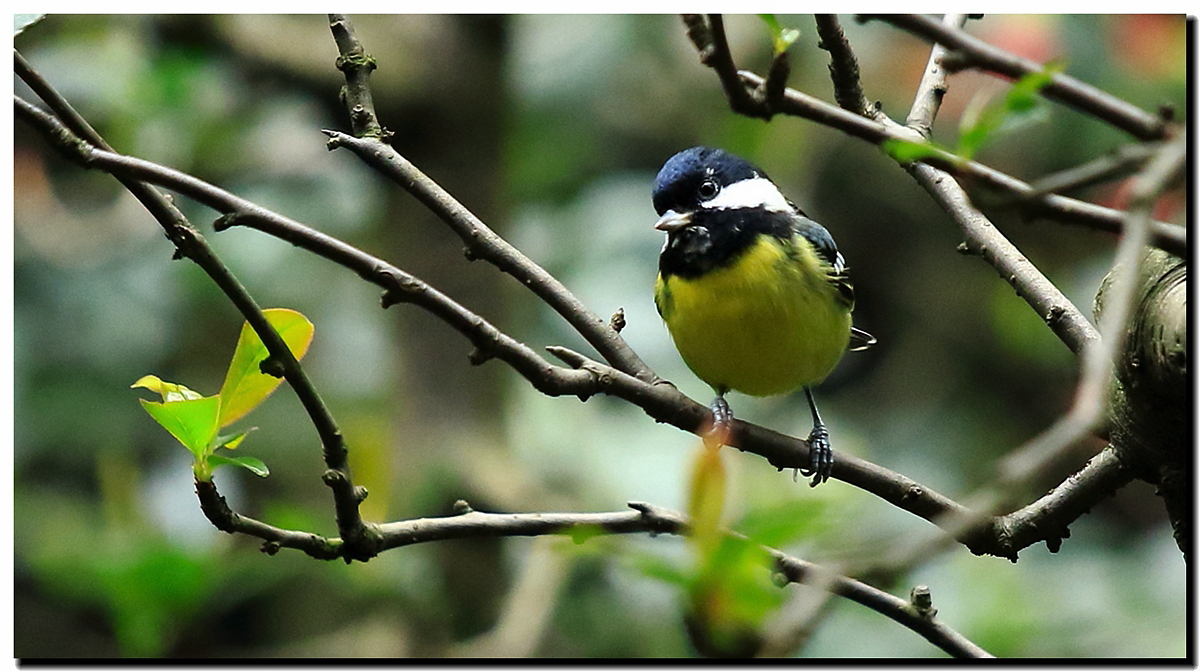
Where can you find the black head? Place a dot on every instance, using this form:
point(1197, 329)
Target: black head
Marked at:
point(697, 175)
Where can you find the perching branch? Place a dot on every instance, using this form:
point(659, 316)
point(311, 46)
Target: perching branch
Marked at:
point(469, 524)
point(973, 525)
point(584, 378)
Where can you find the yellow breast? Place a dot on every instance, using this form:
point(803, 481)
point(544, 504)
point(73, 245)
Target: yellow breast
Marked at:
point(767, 324)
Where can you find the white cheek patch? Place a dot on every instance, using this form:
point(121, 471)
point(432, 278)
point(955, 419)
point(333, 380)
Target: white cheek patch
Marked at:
point(752, 193)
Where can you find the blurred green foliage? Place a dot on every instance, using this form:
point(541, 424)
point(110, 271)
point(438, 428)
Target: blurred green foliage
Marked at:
point(550, 128)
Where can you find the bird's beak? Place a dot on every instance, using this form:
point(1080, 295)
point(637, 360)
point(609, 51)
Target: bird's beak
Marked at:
point(672, 221)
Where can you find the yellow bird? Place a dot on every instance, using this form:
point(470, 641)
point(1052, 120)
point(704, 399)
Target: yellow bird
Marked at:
point(754, 293)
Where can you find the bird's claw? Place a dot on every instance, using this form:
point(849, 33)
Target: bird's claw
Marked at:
point(820, 456)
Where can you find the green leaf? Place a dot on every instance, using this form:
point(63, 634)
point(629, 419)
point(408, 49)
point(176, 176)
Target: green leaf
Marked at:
point(706, 496)
point(1021, 105)
point(906, 151)
point(784, 522)
point(231, 441)
point(168, 391)
point(252, 463)
point(193, 422)
point(581, 533)
point(245, 385)
point(782, 38)
point(661, 569)
point(1024, 92)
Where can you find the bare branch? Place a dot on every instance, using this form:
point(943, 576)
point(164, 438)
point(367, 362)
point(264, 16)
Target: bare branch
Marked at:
point(217, 510)
point(1121, 162)
point(1169, 237)
point(1099, 356)
point(1063, 88)
point(1047, 518)
point(357, 65)
point(932, 88)
point(661, 401)
point(483, 243)
point(984, 239)
point(918, 619)
point(708, 35)
point(843, 66)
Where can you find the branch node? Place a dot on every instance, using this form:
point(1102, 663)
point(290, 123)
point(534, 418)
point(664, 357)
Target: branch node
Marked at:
point(462, 508)
point(270, 547)
point(226, 221)
point(617, 321)
point(478, 356)
point(335, 139)
point(272, 367)
point(921, 601)
point(354, 61)
point(1055, 314)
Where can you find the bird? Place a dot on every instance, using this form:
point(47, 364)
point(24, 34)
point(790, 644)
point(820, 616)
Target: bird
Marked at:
point(755, 294)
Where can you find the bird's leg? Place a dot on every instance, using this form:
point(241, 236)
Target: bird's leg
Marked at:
point(819, 451)
point(722, 420)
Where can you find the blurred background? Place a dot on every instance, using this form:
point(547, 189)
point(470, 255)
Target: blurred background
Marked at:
point(550, 129)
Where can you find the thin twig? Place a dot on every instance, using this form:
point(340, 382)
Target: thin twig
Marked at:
point(928, 99)
point(192, 245)
point(984, 239)
point(843, 66)
point(1169, 237)
point(357, 65)
point(1062, 88)
point(919, 620)
point(648, 518)
point(1117, 164)
point(708, 35)
point(484, 243)
point(1098, 358)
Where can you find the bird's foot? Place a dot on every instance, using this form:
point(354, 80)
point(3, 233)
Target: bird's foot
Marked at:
point(722, 422)
point(820, 456)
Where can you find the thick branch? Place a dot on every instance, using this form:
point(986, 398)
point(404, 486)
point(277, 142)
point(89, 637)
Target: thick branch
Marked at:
point(1047, 518)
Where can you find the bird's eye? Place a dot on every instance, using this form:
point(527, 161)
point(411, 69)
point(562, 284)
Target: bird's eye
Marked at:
point(708, 189)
